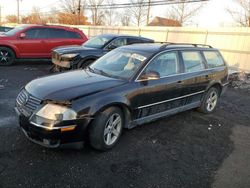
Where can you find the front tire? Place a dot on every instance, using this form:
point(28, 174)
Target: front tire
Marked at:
point(7, 56)
point(210, 100)
point(84, 64)
point(106, 129)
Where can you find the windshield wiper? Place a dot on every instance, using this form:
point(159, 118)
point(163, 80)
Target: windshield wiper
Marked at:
point(101, 72)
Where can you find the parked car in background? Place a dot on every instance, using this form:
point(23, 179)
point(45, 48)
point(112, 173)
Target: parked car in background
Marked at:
point(36, 42)
point(75, 57)
point(126, 87)
point(4, 29)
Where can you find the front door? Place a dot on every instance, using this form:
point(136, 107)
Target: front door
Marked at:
point(33, 45)
point(160, 95)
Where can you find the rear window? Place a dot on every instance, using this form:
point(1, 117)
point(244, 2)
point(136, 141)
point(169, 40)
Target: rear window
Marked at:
point(192, 61)
point(214, 59)
point(73, 35)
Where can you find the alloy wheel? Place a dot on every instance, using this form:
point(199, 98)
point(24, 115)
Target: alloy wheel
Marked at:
point(212, 101)
point(112, 129)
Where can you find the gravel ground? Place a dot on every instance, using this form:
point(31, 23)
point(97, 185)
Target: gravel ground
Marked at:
point(189, 149)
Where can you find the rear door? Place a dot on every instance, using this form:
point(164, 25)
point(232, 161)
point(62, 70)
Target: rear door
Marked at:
point(62, 37)
point(33, 45)
point(158, 96)
point(195, 76)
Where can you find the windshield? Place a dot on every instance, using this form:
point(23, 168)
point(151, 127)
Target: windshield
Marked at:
point(15, 30)
point(97, 42)
point(118, 64)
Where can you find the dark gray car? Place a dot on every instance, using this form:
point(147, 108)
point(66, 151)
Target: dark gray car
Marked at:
point(75, 57)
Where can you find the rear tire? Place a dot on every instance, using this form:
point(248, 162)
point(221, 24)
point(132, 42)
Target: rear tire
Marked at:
point(7, 56)
point(106, 129)
point(210, 100)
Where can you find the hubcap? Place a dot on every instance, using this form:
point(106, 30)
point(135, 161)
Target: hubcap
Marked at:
point(112, 129)
point(4, 56)
point(212, 101)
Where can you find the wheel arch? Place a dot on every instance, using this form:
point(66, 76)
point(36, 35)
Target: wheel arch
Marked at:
point(14, 49)
point(81, 62)
point(217, 85)
point(123, 107)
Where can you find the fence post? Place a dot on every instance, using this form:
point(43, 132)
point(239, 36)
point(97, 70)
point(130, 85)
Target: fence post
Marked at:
point(205, 42)
point(88, 31)
point(167, 35)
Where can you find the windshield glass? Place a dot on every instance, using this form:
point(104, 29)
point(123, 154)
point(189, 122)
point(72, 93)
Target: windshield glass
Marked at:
point(118, 64)
point(97, 42)
point(15, 30)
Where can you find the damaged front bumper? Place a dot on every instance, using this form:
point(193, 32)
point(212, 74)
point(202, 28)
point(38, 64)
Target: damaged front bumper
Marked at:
point(67, 133)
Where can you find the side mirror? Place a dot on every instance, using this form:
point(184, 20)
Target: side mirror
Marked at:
point(22, 36)
point(152, 75)
point(112, 47)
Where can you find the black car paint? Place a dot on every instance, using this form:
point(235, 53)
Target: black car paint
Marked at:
point(141, 101)
point(87, 53)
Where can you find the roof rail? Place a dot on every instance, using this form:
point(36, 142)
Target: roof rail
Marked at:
point(165, 44)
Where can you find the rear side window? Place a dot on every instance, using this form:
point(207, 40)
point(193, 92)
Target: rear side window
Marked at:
point(192, 61)
point(214, 59)
point(73, 35)
point(134, 41)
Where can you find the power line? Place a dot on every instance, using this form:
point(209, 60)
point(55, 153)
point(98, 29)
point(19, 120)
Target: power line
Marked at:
point(131, 5)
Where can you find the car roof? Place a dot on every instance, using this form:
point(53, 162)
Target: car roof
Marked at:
point(121, 35)
point(50, 26)
point(158, 47)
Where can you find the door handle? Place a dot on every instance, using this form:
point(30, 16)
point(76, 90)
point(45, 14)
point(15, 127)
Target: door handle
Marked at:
point(207, 76)
point(179, 82)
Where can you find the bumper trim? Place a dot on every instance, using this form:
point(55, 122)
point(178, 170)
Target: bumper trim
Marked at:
point(51, 128)
point(40, 143)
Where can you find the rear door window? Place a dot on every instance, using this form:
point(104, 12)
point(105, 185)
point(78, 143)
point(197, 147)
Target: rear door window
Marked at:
point(57, 34)
point(192, 61)
point(213, 59)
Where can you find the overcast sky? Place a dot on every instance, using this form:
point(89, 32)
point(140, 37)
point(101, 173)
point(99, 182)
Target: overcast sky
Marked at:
point(213, 14)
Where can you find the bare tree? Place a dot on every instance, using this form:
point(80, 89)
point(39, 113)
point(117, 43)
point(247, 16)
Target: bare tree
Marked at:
point(97, 14)
point(110, 13)
point(184, 12)
point(139, 11)
point(125, 18)
point(241, 16)
point(74, 7)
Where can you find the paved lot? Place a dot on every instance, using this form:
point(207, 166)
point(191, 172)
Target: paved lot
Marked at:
point(186, 150)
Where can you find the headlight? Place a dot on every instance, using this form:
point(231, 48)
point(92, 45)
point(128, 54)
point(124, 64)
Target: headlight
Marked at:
point(68, 56)
point(51, 114)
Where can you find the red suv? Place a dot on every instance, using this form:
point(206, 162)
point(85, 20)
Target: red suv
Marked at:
point(36, 41)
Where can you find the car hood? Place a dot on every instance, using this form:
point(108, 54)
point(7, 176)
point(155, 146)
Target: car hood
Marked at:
point(70, 85)
point(72, 49)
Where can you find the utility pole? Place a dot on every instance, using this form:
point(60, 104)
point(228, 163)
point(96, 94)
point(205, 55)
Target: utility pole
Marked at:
point(17, 11)
point(148, 15)
point(79, 12)
point(0, 15)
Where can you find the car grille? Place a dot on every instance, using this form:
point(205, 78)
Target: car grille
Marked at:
point(26, 100)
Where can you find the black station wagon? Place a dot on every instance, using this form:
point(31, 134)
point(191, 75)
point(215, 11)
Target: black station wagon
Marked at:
point(75, 57)
point(127, 87)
